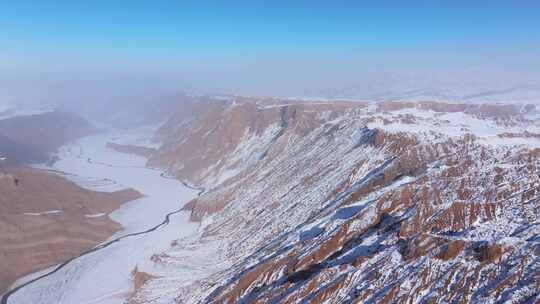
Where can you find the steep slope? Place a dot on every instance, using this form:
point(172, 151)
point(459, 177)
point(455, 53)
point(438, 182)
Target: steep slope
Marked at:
point(341, 202)
point(45, 219)
point(211, 140)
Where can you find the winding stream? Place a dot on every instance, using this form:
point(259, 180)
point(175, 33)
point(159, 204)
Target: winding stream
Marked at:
point(102, 274)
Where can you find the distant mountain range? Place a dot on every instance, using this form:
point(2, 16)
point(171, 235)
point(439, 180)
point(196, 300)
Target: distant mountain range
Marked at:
point(32, 138)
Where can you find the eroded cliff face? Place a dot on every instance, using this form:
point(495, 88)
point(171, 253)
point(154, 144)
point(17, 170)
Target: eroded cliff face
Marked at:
point(45, 220)
point(212, 140)
point(341, 202)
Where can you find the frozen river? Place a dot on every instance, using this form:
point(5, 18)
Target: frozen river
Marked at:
point(103, 276)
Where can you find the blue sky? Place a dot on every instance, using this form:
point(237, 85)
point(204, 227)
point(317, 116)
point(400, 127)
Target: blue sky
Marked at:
point(185, 28)
point(198, 37)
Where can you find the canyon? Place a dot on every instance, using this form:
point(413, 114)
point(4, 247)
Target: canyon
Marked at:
point(310, 201)
point(270, 152)
point(353, 202)
point(44, 218)
point(107, 271)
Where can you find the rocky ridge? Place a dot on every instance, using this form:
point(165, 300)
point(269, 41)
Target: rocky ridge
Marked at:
point(342, 202)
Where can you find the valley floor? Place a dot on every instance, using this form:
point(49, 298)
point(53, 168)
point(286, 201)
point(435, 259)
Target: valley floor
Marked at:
point(104, 276)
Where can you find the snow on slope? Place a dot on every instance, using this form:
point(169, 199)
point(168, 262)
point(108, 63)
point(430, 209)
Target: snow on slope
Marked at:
point(365, 203)
point(426, 122)
point(318, 202)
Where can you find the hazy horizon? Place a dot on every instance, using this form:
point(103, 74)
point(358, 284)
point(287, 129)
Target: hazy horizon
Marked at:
point(63, 51)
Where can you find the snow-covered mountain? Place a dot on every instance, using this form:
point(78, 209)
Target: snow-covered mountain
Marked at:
point(340, 202)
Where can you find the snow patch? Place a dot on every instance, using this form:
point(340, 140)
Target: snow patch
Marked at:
point(43, 213)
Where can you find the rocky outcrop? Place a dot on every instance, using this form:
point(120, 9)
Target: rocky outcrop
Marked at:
point(220, 137)
point(45, 219)
point(139, 278)
point(131, 149)
point(324, 202)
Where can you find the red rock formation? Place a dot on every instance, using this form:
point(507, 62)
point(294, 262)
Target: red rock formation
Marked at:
point(322, 208)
